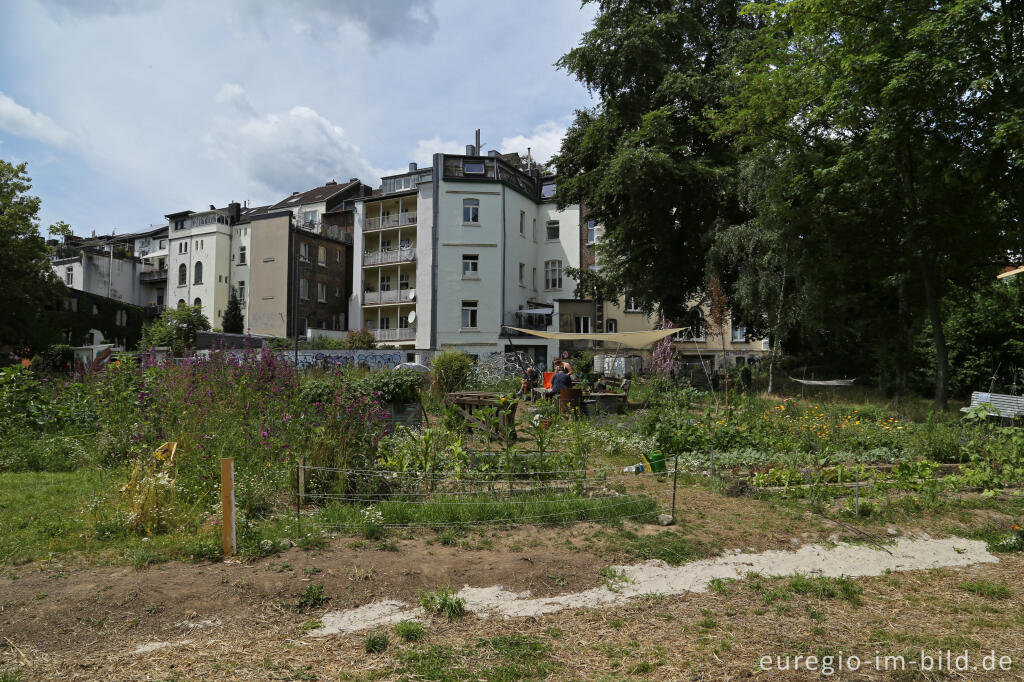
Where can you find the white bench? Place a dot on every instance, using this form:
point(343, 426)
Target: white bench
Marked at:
point(1005, 406)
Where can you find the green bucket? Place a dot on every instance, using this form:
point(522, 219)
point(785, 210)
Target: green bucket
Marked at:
point(656, 462)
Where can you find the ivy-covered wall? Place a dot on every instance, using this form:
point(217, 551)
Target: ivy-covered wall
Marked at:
point(80, 312)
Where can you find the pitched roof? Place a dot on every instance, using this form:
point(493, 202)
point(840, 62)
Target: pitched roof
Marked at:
point(315, 195)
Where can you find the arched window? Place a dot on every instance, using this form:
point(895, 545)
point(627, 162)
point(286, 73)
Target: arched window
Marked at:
point(198, 302)
point(181, 301)
point(182, 276)
point(199, 274)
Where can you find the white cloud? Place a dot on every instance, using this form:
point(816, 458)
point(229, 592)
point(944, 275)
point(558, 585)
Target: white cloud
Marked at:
point(283, 152)
point(24, 122)
point(544, 142)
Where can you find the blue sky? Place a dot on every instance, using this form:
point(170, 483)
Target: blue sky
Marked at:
point(129, 109)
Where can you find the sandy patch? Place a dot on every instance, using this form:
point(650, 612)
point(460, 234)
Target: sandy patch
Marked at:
point(657, 577)
point(154, 646)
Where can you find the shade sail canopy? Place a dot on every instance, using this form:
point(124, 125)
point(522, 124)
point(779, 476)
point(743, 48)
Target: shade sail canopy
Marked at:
point(156, 254)
point(624, 339)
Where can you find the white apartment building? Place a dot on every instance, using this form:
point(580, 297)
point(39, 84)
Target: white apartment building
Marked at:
point(199, 259)
point(450, 255)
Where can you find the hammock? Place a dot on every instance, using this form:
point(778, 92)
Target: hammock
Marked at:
point(828, 382)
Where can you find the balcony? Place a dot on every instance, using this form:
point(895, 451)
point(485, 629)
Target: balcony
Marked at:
point(393, 296)
point(403, 255)
point(394, 334)
point(388, 221)
point(153, 276)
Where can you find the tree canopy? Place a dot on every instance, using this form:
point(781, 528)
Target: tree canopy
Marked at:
point(29, 283)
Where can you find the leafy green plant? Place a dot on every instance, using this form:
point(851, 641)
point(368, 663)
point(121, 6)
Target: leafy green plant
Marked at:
point(987, 588)
point(452, 370)
point(312, 597)
point(443, 602)
point(376, 643)
point(409, 630)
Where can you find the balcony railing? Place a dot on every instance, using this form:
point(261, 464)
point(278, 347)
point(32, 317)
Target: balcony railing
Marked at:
point(394, 334)
point(154, 276)
point(388, 221)
point(402, 255)
point(393, 296)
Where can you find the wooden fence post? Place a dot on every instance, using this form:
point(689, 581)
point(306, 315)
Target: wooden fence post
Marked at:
point(227, 504)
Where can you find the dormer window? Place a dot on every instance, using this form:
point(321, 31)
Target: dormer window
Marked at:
point(473, 167)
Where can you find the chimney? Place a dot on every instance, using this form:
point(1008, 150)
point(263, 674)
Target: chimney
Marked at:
point(294, 193)
point(478, 142)
point(493, 152)
point(412, 165)
point(330, 182)
point(470, 150)
point(353, 179)
point(234, 211)
point(212, 207)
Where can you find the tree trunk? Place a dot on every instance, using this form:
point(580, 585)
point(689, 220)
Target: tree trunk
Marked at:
point(938, 335)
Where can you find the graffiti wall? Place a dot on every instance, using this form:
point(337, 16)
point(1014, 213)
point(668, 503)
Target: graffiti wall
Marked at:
point(372, 359)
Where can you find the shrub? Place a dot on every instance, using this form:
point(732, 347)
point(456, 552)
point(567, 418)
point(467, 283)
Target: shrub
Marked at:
point(312, 598)
point(393, 385)
point(359, 340)
point(453, 371)
point(443, 602)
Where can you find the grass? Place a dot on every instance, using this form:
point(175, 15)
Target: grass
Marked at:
point(823, 587)
point(409, 631)
point(552, 509)
point(670, 546)
point(987, 588)
point(376, 642)
point(443, 602)
point(499, 659)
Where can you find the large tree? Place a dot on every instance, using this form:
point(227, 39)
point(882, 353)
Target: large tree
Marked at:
point(884, 153)
point(644, 161)
point(28, 281)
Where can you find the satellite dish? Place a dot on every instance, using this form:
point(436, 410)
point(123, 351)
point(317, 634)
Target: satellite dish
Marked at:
point(412, 317)
point(412, 294)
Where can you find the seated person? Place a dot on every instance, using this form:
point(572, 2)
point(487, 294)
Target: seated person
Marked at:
point(529, 380)
point(559, 381)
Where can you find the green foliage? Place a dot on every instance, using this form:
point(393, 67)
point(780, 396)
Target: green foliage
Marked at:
point(234, 321)
point(357, 340)
point(823, 587)
point(444, 603)
point(376, 643)
point(409, 631)
point(393, 385)
point(30, 285)
point(57, 358)
point(176, 328)
point(452, 370)
point(987, 588)
point(312, 598)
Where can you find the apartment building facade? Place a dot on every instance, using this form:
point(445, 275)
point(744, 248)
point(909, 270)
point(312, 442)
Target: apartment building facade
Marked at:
point(451, 255)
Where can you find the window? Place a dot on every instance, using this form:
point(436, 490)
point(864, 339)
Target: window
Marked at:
point(582, 324)
point(593, 231)
point(385, 323)
point(162, 264)
point(182, 247)
point(69, 275)
point(534, 229)
point(241, 293)
point(552, 274)
point(522, 224)
point(337, 256)
point(198, 276)
point(522, 273)
point(739, 334)
point(241, 255)
point(304, 251)
point(385, 282)
point(694, 330)
point(552, 230)
point(321, 256)
point(470, 266)
point(611, 326)
point(198, 302)
point(309, 218)
point(403, 282)
point(321, 292)
point(181, 302)
point(469, 314)
point(304, 289)
point(337, 291)
point(632, 305)
point(471, 211)
point(182, 275)
point(533, 281)
point(472, 167)
point(547, 190)
point(179, 224)
point(163, 243)
point(403, 321)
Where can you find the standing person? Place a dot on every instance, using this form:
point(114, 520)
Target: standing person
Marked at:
point(559, 381)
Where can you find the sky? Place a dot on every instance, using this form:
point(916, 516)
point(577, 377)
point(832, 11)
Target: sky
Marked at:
point(126, 110)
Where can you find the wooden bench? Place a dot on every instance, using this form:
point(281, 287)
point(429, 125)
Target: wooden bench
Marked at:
point(1005, 406)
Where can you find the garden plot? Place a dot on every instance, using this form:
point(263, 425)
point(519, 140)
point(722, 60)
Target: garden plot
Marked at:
point(655, 577)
